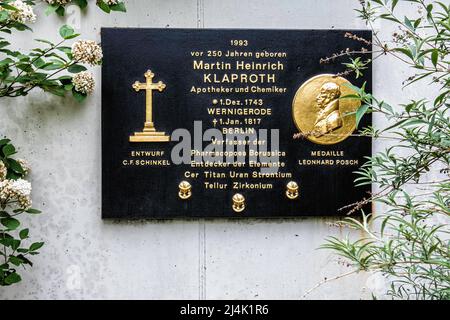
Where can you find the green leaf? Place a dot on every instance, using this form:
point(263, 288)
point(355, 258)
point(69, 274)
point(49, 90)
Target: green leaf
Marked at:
point(434, 57)
point(119, 7)
point(15, 244)
point(36, 246)
point(4, 44)
point(38, 63)
point(76, 68)
point(10, 223)
point(53, 66)
point(102, 5)
point(409, 107)
point(15, 260)
point(406, 52)
point(6, 241)
point(63, 78)
point(4, 16)
point(66, 50)
point(66, 82)
point(4, 214)
point(20, 26)
point(51, 9)
point(33, 211)
point(360, 113)
point(60, 11)
point(4, 141)
point(72, 36)
point(12, 278)
point(44, 41)
point(56, 90)
point(23, 234)
point(24, 259)
point(4, 266)
point(66, 31)
point(8, 7)
point(58, 58)
point(80, 97)
point(412, 122)
point(15, 166)
point(8, 150)
point(394, 3)
point(436, 102)
point(409, 24)
point(417, 23)
point(81, 3)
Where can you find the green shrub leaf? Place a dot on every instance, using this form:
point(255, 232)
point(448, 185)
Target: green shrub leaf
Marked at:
point(36, 246)
point(12, 278)
point(66, 31)
point(10, 223)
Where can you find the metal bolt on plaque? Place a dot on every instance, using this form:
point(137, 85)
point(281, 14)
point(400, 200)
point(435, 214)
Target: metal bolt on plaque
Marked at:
point(238, 202)
point(185, 190)
point(292, 190)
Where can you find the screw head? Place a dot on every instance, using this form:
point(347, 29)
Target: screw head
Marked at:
point(292, 190)
point(238, 202)
point(184, 190)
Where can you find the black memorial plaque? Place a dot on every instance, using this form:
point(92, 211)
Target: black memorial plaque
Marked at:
point(200, 74)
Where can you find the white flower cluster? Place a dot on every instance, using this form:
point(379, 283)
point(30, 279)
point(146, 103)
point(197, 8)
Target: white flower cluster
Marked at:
point(16, 190)
point(58, 1)
point(111, 2)
point(84, 82)
point(25, 166)
point(87, 51)
point(3, 171)
point(24, 12)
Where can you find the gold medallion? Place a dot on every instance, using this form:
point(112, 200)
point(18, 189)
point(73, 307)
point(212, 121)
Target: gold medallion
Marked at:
point(320, 113)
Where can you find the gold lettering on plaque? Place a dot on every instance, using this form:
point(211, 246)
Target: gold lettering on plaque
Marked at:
point(149, 133)
point(320, 113)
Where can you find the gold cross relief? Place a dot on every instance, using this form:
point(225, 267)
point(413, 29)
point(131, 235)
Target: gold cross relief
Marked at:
point(149, 133)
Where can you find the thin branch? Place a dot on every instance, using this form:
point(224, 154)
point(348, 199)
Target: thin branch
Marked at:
point(326, 280)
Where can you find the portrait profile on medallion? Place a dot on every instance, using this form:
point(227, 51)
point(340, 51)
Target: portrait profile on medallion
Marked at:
point(320, 114)
point(329, 117)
